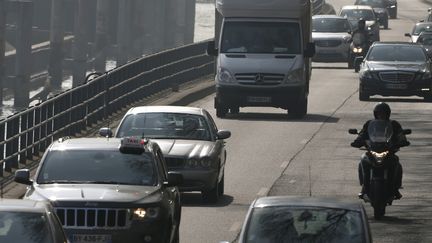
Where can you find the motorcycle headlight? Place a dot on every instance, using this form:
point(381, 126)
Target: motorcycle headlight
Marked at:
point(357, 49)
point(224, 76)
point(144, 213)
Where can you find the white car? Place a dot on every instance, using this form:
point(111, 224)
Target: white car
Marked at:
point(356, 12)
point(418, 29)
point(332, 37)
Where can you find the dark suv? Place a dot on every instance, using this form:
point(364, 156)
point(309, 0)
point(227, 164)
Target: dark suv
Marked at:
point(108, 190)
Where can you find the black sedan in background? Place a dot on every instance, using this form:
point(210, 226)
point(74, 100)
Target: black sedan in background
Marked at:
point(381, 9)
point(395, 69)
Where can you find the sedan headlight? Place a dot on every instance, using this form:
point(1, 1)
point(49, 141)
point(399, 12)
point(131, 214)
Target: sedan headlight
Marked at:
point(224, 76)
point(144, 213)
point(427, 75)
point(205, 162)
point(366, 74)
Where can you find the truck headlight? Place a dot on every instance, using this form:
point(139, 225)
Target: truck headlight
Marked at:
point(144, 213)
point(294, 76)
point(224, 76)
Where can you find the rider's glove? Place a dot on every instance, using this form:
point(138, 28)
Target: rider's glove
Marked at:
point(356, 144)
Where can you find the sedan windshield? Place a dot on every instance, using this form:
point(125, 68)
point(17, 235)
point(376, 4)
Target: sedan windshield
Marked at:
point(330, 25)
point(296, 224)
point(165, 125)
point(399, 53)
point(98, 167)
point(425, 40)
point(366, 14)
point(24, 227)
point(372, 3)
point(419, 28)
point(261, 37)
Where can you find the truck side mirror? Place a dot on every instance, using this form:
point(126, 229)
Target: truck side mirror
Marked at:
point(310, 50)
point(211, 49)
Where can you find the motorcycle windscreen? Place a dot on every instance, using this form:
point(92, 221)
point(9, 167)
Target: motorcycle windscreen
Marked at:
point(380, 131)
point(358, 39)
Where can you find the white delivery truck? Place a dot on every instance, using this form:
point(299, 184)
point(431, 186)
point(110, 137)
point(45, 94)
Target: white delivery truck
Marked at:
point(264, 52)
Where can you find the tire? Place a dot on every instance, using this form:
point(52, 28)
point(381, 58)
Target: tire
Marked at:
point(428, 97)
point(350, 62)
point(222, 186)
point(299, 110)
point(393, 14)
point(176, 236)
point(211, 196)
point(221, 112)
point(379, 212)
point(386, 24)
point(363, 96)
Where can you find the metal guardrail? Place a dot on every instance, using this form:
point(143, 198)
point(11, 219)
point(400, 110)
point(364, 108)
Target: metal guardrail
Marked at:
point(26, 134)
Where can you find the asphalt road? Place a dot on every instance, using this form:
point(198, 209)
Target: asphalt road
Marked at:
point(269, 154)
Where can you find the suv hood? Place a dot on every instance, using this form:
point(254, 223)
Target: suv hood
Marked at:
point(93, 192)
point(392, 66)
point(185, 148)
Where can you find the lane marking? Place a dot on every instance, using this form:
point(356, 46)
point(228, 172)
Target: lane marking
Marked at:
point(292, 181)
point(262, 192)
point(236, 226)
point(284, 164)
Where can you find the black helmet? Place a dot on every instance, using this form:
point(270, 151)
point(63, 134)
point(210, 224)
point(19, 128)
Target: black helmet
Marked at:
point(361, 23)
point(382, 108)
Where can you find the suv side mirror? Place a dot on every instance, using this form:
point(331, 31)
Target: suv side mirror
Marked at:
point(310, 50)
point(23, 176)
point(352, 131)
point(105, 132)
point(211, 48)
point(174, 178)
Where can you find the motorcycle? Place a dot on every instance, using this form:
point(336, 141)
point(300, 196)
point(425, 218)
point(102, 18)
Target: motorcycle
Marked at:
point(358, 48)
point(380, 157)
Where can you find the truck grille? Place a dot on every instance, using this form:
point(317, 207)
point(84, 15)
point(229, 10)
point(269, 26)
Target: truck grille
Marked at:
point(328, 43)
point(396, 77)
point(175, 162)
point(99, 218)
point(260, 78)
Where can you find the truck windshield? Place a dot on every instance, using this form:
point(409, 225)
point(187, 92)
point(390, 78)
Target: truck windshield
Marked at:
point(261, 37)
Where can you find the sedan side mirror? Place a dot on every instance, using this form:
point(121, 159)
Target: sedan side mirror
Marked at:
point(22, 176)
point(105, 132)
point(352, 131)
point(223, 134)
point(174, 178)
point(407, 34)
point(211, 48)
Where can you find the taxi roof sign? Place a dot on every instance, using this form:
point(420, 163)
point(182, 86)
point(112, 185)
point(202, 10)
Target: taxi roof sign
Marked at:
point(133, 145)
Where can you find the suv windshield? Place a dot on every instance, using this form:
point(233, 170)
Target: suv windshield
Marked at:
point(165, 125)
point(308, 224)
point(24, 227)
point(261, 37)
point(400, 53)
point(330, 25)
point(97, 166)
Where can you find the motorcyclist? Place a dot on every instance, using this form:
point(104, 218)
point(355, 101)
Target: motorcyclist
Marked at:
point(381, 111)
point(361, 34)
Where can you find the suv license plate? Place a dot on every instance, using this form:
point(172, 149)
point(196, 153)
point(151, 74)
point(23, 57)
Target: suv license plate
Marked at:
point(396, 86)
point(256, 99)
point(91, 238)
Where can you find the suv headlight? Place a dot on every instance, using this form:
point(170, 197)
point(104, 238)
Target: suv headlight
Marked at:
point(224, 76)
point(144, 213)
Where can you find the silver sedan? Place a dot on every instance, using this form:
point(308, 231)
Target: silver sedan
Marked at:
point(332, 37)
point(190, 142)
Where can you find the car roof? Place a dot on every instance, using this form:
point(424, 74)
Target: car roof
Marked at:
point(328, 16)
point(405, 43)
point(357, 7)
point(423, 23)
point(20, 205)
point(325, 202)
point(98, 143)
point(167, 109)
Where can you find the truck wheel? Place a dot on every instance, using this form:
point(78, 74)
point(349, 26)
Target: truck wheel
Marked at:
point(299, 110)
point(221, 111)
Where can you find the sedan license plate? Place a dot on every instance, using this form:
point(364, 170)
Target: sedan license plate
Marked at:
point(256, 99)
point(91, 238)
point(396, 86)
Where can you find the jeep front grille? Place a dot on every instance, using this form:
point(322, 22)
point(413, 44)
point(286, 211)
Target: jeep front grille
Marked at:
point(99, 218)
